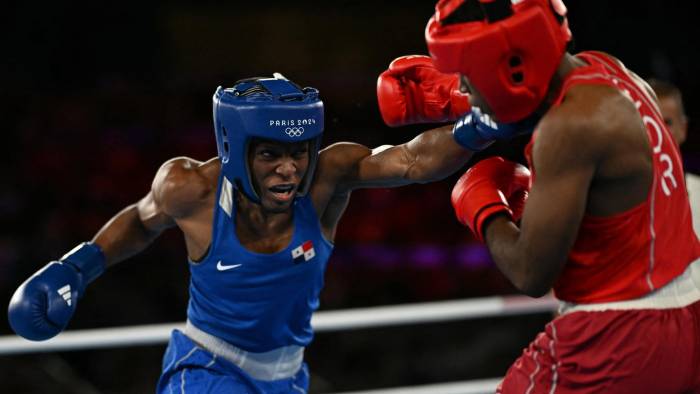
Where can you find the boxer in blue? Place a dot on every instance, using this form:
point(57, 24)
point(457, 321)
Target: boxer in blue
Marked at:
point(258, 222)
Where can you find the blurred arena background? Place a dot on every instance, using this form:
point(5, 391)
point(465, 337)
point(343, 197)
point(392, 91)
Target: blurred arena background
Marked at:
point(96, 95)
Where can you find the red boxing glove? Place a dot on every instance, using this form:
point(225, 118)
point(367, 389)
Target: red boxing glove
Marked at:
point(413, 91)
point(491, 186)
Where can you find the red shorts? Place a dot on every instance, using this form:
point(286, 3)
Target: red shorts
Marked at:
point(616, 351)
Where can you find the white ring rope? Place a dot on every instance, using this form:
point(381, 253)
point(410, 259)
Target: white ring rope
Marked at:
point(323, 321)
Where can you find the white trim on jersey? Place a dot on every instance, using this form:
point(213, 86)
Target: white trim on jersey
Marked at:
point(226, 198)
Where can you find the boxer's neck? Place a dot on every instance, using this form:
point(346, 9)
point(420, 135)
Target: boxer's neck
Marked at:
point(567, 64)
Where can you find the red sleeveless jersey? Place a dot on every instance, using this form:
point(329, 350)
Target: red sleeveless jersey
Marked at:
point(629, 254)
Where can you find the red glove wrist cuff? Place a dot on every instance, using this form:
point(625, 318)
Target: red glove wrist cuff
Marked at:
point(485, 213)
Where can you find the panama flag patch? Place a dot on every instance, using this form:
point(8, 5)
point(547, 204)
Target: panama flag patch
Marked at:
point(303, 252)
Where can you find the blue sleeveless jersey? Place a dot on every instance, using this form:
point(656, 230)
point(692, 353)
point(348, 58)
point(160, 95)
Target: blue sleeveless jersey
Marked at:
point(254, 301)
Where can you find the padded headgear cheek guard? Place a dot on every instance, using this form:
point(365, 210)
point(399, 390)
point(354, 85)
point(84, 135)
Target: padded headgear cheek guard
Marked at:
point(269, 108)
point(509, 53)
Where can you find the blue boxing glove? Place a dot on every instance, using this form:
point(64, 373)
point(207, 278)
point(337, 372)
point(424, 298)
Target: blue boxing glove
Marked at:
point(476, 130)
point(44, 304)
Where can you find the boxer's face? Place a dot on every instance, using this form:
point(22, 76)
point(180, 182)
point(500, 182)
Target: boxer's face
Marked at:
point(674, 118)
point(277, 170)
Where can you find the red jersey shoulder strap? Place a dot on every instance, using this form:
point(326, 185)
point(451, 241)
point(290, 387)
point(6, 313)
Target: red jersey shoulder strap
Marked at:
point(594, 73)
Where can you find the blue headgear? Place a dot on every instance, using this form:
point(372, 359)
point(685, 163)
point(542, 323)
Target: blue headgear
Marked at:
point(270, 108)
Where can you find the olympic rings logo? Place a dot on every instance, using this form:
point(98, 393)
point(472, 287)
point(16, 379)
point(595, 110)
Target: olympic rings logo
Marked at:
point(294, 131)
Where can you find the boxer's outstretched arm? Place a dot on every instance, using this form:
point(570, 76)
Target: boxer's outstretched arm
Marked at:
point(430, 156)
point(176, 188)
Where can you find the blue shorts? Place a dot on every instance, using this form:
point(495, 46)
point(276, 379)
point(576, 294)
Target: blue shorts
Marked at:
point(187, 368)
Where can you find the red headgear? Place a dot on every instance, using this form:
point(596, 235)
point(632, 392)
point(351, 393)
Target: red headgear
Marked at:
point(509, 52)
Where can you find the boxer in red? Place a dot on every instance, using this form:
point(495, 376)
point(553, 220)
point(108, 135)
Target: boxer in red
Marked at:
point(606, 222)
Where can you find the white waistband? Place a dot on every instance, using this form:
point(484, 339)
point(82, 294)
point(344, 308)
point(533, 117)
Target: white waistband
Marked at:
point(682, 291)
point(280, 363)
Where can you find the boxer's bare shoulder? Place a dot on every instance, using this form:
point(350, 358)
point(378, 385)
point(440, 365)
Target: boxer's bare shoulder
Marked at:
point(598, 129)
point(575, 126)
point(183, 184)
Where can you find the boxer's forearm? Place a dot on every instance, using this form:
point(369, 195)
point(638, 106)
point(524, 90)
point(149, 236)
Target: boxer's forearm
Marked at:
point(431, 156)
point(128, 233)
point(435, 155)
point(520, 261)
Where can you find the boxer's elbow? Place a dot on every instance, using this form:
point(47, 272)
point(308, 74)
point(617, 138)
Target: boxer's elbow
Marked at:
point(530, 285)
point(533, 280)
point(534, 289)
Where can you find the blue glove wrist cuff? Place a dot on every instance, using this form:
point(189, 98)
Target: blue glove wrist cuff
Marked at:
point(476, 130)
point(88, 259)
point(471, 141)
point(466, 134)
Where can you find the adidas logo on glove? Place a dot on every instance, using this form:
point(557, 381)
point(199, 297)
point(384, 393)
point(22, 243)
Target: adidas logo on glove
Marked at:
point(65, 293)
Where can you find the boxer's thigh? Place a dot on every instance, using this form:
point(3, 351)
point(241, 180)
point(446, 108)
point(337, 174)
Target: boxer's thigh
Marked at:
point(644, 351)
